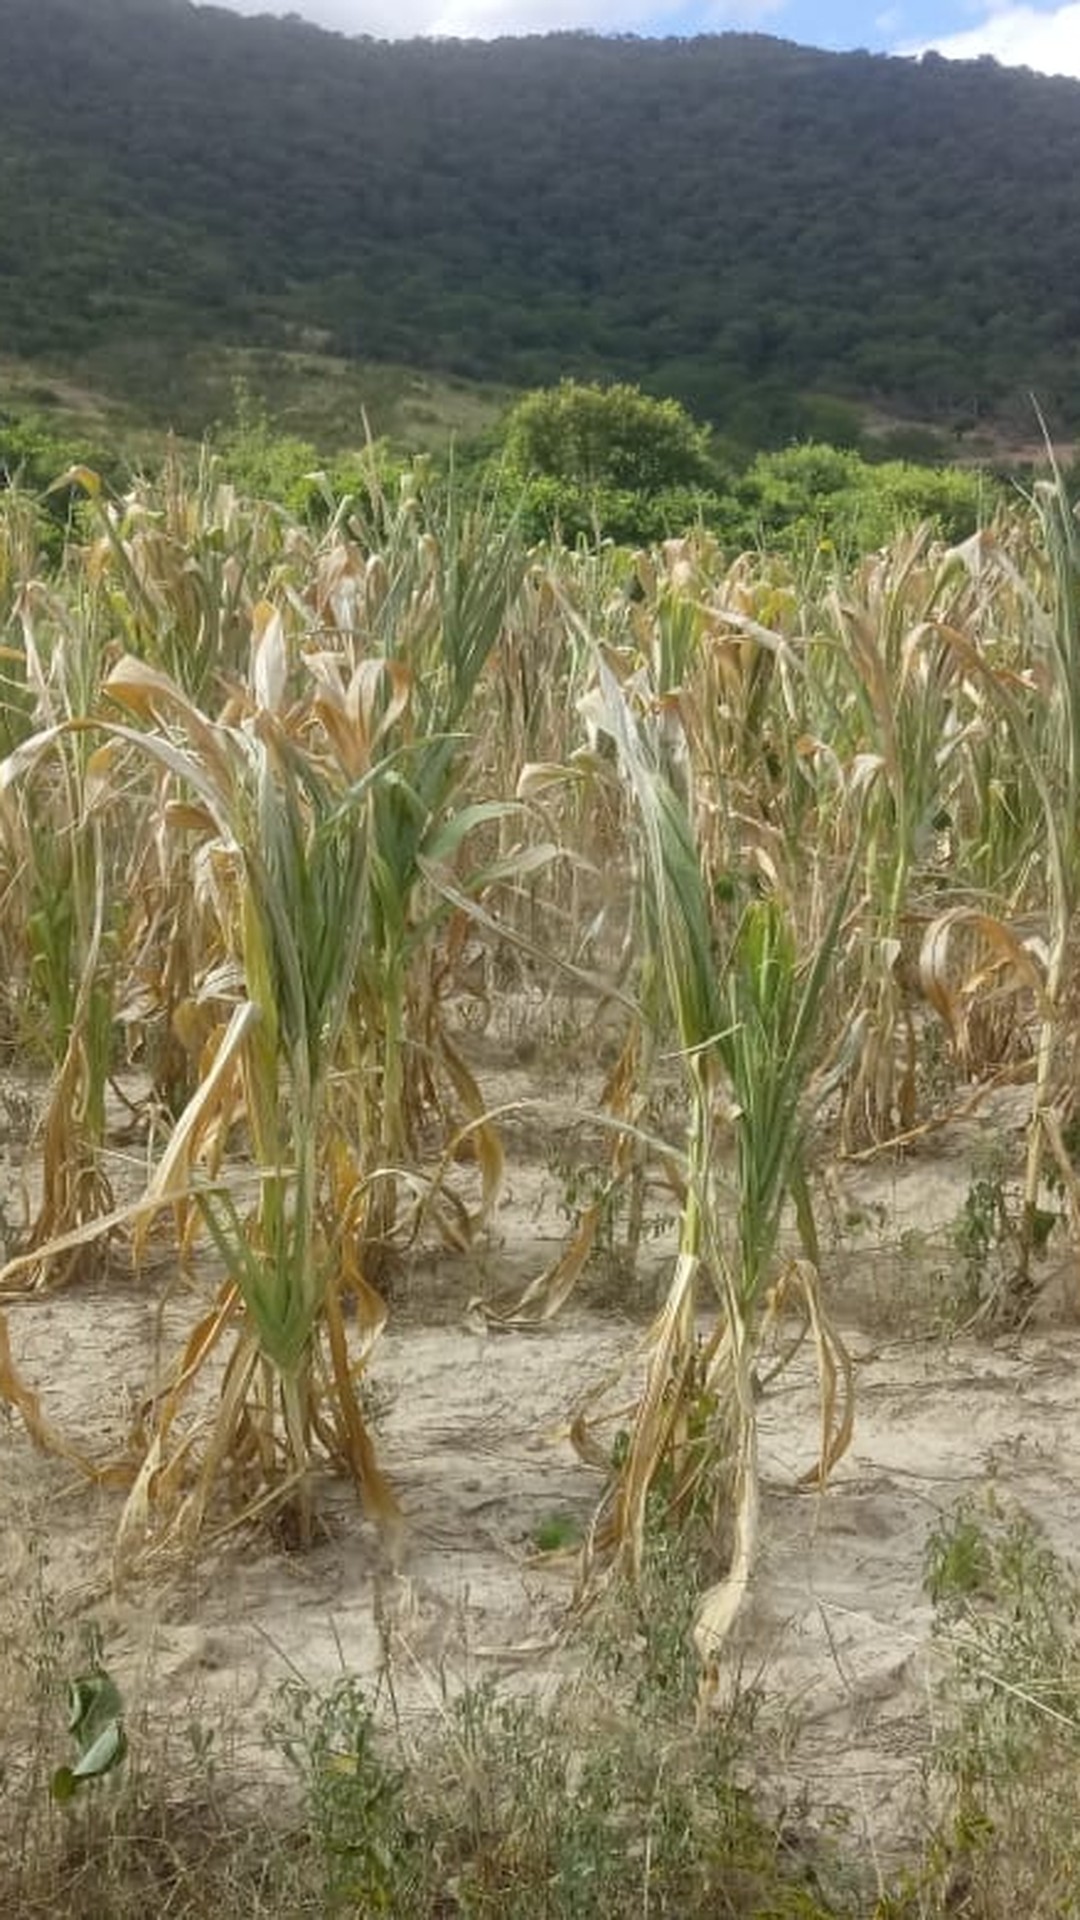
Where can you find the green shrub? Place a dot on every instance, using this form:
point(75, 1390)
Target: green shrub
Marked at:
point(817, 493)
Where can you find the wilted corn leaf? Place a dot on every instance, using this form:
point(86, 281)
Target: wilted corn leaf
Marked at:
point(173, 1178)
point(269, 657)
point(1010, 959)
point(549, 1290)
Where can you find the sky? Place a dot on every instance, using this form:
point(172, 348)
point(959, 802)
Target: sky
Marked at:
point(1042, 34)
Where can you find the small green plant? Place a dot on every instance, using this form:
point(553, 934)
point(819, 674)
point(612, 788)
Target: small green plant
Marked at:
point(96, 1724)
point(1013, 1634)
point(577, 1811)
point(584, 1183)
point(985, 1236)
point(1006, 1759)
point(556, 1532)
point(984, 1219)
point(643, 1632)
point(957, 1561)
point(354, 1799)
point(1057, 1177)
point(992, 1232)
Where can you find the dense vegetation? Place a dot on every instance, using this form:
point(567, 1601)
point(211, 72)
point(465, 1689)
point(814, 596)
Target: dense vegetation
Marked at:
point(742, 223)
point(588, 462)
point(579, 462)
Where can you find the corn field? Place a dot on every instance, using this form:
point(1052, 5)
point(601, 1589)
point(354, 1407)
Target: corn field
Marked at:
point(273, 800)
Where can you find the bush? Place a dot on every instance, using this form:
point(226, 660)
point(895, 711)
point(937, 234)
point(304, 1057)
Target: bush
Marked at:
point(821, 493)
point(267, 465)
point(606, 437)
point(594, 462)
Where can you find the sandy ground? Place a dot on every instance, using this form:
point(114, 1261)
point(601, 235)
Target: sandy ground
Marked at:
point(836, 1634)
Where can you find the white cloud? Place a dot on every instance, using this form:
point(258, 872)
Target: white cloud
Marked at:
point(458, 19)
point(486, 19)
point(1018, 36)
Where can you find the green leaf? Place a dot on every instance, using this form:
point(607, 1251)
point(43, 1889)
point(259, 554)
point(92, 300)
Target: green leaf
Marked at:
point(106, 1752)
point(449, 834)
point(93, 1701)
point(95, 1722)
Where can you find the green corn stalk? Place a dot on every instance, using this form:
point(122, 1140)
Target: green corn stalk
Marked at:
point(745, 1023)
point(441, 586)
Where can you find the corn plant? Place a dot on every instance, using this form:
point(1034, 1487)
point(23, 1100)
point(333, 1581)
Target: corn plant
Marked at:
point(295, 836)
point(181, 562)
point(743, 1014)
point(416, 621)
point(62, 864)
point(1037, 696)
point(902, 730)
point(289, 839)
point(21, 555)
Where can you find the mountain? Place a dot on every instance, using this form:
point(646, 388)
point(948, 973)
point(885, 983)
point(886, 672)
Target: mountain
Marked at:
point(733, 219)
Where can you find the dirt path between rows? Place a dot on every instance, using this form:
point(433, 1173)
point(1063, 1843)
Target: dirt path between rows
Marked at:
point(836, 1635)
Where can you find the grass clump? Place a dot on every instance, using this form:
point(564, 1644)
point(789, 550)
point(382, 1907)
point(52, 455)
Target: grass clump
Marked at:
point(1004, 1773)
point(552, 1820)
point(604, 1795)
point(601, 1797)
point(157, 1821)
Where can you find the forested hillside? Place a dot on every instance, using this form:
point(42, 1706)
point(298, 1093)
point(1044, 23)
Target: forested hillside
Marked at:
point(734, 220)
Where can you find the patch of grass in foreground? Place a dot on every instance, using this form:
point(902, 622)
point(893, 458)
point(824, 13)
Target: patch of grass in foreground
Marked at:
point(608, 1801)
point(1003, 1777)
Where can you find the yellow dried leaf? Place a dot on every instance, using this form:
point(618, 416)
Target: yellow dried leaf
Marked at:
point(269, 657)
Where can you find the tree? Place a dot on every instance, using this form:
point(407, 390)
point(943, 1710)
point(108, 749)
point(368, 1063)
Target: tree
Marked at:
point(586, 461)
point(591, 436)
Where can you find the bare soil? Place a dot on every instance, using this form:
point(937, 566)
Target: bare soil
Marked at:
point(472, 1429)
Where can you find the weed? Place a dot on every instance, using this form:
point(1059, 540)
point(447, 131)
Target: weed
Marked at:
point(582, 1183)
point(354, 1800)
point(600, 1802)
point(556, 1532)
point(643, 1634)
point(96, 1724)
point(1012, 1632)
point(957, 1559)
point(162, 1833)
point(579, 1812)
point(1005, 1767)
point(985, 1235)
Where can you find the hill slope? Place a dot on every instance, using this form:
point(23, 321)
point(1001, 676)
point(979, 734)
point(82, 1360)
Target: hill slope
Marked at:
point(727, 219)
